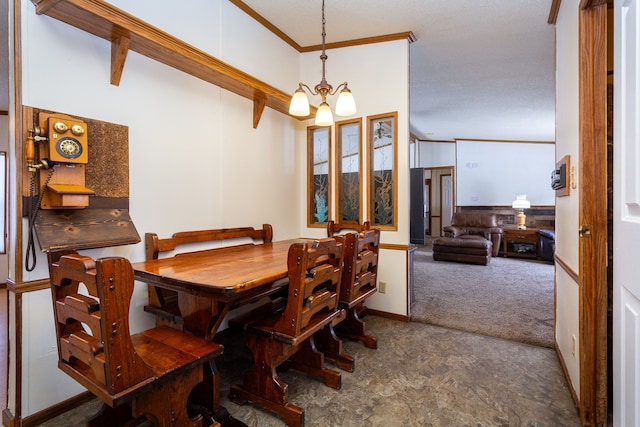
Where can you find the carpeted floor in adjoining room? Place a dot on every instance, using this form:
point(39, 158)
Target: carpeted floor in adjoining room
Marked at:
point(510, 298)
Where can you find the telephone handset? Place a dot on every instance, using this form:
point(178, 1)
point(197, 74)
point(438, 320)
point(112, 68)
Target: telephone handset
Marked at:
point(63, 151)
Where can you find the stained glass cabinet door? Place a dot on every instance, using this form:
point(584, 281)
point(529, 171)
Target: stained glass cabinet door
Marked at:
point(318, 175)
point(383, 170)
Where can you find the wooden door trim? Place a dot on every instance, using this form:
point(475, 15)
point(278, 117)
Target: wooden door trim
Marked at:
point(427, 181)
point(592, 309)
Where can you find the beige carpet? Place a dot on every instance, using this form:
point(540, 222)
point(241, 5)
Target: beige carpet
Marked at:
point(509, 298)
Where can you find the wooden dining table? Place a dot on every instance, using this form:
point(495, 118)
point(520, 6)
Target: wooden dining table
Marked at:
point(211, 282)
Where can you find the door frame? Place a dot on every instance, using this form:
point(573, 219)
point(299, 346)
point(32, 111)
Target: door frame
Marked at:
point(593, 203)
point(427, 190)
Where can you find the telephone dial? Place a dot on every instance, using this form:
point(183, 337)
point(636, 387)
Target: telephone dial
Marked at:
point(59, 143)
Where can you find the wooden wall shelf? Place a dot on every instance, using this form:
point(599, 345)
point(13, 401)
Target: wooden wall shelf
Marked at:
point(126, 32)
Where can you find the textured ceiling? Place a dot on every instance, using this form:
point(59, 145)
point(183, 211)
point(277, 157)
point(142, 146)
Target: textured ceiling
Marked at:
point(479, 69)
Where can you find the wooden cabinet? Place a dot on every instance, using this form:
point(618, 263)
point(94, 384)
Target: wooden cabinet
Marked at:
point(521, 243)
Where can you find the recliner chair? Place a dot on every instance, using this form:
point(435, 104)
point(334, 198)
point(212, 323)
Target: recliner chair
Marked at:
point(472, 225)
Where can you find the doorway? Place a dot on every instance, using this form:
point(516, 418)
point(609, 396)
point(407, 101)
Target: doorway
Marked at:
point(432, 195)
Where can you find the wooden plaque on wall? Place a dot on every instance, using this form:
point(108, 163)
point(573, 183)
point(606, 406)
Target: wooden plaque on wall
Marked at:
point(106, 221)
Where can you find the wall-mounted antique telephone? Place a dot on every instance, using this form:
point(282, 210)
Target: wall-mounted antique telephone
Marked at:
point(62, 149)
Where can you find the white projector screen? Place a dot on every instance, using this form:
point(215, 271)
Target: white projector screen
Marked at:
point(492, 173)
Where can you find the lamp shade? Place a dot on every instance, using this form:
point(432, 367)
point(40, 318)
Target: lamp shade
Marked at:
point(346, 104)
point(299, 105)
point(521, 202)
point(324, 117)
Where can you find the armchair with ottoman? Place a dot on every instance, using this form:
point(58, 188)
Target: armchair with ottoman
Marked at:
point(472, 238)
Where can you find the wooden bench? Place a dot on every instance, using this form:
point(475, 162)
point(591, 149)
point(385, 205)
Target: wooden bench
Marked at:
point(147, 375)
point(337, 227)
point(283, 331)
point(163, 302)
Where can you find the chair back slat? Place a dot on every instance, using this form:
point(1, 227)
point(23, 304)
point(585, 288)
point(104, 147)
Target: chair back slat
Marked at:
point(360, 271)
point(101, 356)
point(337, 227)
point(314, 284)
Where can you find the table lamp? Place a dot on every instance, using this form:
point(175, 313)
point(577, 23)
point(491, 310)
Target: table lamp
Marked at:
point(521, 203)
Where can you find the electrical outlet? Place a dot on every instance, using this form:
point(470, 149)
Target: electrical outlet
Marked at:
point(382, 287)
point(573, 346)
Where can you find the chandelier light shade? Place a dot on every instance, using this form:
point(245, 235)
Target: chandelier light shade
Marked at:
point(345, 105)
point(299, 105)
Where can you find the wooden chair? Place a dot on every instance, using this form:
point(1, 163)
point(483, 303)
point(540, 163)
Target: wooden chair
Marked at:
point(283, 331)
point(147, 375)
point(359, 282)
point(336, 227)
point(163, 302)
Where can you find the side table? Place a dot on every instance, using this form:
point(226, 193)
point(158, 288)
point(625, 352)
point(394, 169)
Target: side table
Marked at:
point(521, 243)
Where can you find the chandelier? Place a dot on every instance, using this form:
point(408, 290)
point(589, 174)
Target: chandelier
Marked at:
point(345, 105)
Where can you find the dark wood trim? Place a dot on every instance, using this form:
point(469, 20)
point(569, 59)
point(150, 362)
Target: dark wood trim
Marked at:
point(20, 164)
point(17, 309)
point(20, 161)
point(8, 420)
point(593, 212)
point(24, 287)
point(4, 113)
point(60, 408)
point(553, 13)
point(407, 35)
point(394, 246)
point(268, 25)
point(448, 141)
point(387, 315)
point(504, 140)
point(565, 267)
point(590, 4)
point(563, 365)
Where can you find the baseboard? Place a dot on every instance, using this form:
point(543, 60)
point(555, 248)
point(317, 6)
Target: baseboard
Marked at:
point(7, 418)
point(388, 315)
point(574, 396)
point(46, 414)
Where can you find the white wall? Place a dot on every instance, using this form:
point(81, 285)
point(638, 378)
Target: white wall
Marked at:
point(360, 67)
point(192, 147)
point(195, 160)
point(493, 173)
point(567, 213)
point(436, 154)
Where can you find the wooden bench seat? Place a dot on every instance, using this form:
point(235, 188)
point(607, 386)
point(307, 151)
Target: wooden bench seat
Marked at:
point(163, 303)
point(150, 374)
point(334, 228)
point(282, 332)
